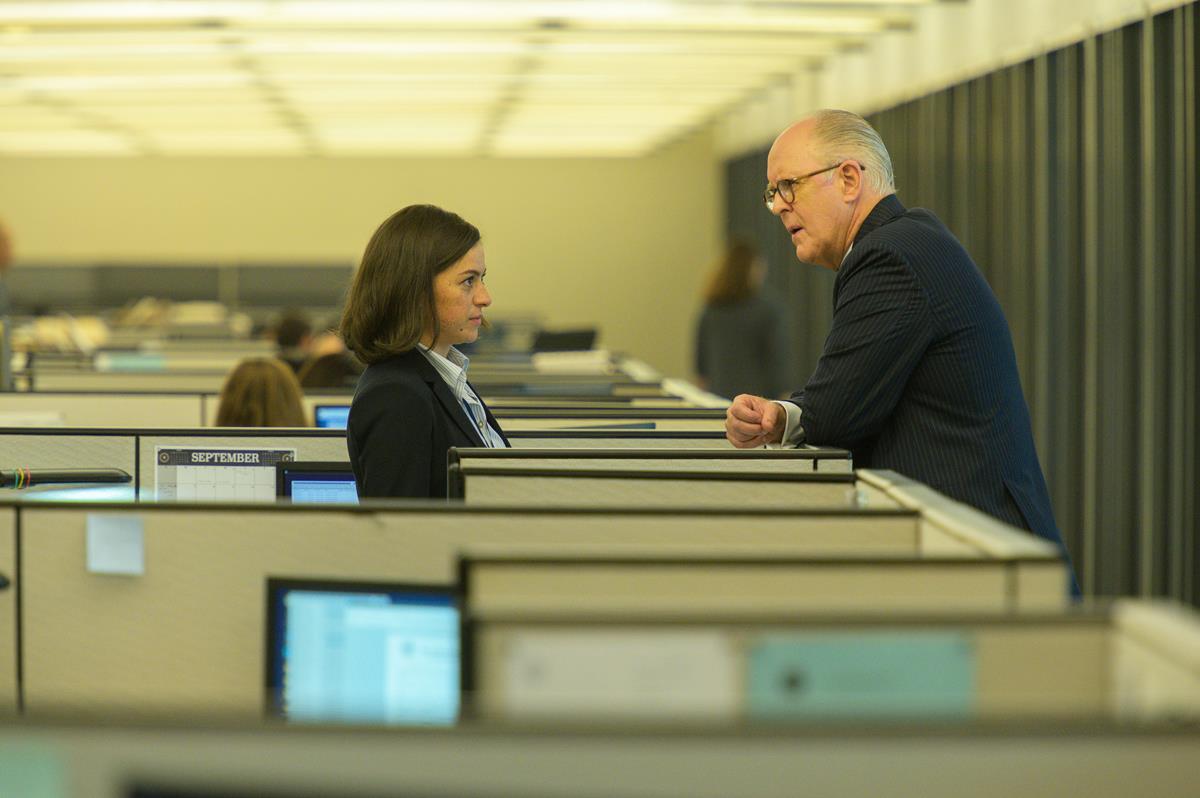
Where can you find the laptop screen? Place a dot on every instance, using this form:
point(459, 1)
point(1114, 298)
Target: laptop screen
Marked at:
point(316, 483)
point(331, 416)
point(362, 653)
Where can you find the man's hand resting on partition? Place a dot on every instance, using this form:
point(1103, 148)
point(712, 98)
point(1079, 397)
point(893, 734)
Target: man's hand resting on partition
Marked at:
point(753, 421)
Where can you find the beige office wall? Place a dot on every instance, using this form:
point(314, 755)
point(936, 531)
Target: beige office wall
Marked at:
point(618, 243)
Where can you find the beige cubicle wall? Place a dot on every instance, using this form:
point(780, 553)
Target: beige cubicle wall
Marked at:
point(53, 448)
point(767, 664)
point(188, 633)
point(617, 439)
point(51, 408)
point(8, 611)
point(134, 450)
point(597, 583)
point(647, 487)
point(128, 382)
point(211, 380)
point(937, 760)
point(746, 461)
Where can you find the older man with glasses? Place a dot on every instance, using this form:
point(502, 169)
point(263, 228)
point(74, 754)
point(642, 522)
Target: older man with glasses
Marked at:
point(918, 374)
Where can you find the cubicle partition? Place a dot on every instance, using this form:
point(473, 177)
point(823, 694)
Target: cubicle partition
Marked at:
point(183, 627)
point(170, 464)
point(8, 611)
point(656, 486)
point(681, 419)
point(92, 409)
point(210, 380)
point(938, 760)
point(765, 664)
point(747, 461)
point(617, 439)
point(189, 408)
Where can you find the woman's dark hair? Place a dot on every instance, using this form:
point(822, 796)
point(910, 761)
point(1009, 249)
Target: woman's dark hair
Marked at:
point(730, 280)
point(261, 392)
point(390, 304)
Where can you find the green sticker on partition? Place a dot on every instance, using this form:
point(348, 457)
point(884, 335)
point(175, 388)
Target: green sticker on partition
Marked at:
point(886, 675)
point(31, 771)
point(131, 361)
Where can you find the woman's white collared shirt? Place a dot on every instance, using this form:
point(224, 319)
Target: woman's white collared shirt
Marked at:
point(453, 370)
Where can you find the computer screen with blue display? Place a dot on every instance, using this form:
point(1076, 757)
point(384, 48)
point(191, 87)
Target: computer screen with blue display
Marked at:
point(316, 483)
point(331, 416)
point(362, 653)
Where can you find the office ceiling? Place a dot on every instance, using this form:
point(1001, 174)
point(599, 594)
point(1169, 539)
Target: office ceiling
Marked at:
point(517, 78)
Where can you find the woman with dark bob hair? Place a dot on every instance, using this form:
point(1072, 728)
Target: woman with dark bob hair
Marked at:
point(418, 292)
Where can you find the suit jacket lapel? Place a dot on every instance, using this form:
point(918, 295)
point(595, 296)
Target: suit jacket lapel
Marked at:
point(452, 406)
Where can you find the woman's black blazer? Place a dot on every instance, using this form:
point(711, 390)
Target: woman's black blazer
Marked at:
point(402, 420)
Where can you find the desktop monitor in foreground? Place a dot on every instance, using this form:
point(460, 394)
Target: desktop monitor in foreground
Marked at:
point(331, 416)
point(315, 483)
point(353, 652)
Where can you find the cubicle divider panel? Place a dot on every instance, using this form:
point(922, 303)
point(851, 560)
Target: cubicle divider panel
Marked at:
point(100, 409)
point(129, 382)
point(9, 587)
point(785, 461)
point(187, 632)
point(730, 587)
point(1156, 661)
point(51, 448)
point(580, 666)
point(616, 439)
point(514, 487)
point(178, 467)
point(1041, 586)
point(111, 759)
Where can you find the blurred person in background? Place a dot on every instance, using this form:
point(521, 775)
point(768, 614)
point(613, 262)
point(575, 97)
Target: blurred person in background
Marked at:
point(261, 392)
point(330, 364)
point(294, 338)
point(418, 293)
point(741, 339)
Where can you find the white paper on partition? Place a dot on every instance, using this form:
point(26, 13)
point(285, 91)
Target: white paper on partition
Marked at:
point(115, 545)
point(632, 673)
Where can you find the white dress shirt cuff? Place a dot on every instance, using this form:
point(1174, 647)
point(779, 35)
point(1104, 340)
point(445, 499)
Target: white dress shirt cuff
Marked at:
point(793, 433)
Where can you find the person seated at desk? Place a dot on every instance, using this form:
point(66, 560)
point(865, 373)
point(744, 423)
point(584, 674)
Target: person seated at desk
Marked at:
point(330, 365)
point(294, 338)
point(261, 392)
point(418, 292)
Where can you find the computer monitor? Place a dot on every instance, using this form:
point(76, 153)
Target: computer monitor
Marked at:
point(357, 652)
point(331, 416)
point(316, 483)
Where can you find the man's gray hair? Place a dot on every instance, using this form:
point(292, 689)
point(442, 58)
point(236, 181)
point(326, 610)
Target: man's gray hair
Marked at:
point(844, 135)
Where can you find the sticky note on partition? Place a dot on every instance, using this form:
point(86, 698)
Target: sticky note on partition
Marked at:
point(115, 545)
point(861, 675)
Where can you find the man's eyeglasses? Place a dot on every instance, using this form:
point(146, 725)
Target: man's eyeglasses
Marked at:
point(786, 188)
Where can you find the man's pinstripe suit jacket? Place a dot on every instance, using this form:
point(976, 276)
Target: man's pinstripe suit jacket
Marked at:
point(918, 373)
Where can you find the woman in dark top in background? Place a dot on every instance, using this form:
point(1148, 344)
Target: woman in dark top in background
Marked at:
point(418, 292)
point(741, 341)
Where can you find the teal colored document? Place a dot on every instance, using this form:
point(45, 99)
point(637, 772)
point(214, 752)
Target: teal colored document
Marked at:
point(31, 770)
point(884, 675)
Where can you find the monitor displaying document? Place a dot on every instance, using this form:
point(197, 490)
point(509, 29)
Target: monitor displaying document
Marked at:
point(316, 483)
point(353, 652)
point(331, 416)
